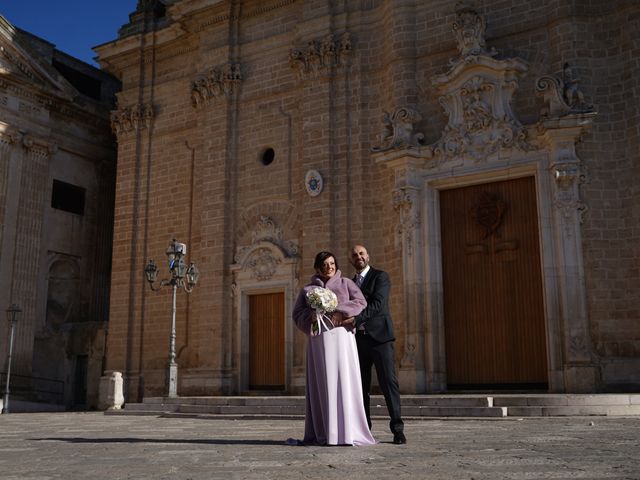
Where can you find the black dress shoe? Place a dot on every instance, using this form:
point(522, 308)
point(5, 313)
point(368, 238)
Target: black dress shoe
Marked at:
point(399, 438)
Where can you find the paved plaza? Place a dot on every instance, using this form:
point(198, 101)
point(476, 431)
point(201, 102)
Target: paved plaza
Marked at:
point(70, 446)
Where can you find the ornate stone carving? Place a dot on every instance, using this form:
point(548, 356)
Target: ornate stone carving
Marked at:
point(398, 130)
point(262, 263)
point(480, 118)
point(469, 29)
point(218, 82)
point(321, 55)
point(404, 201)
point(476, 94)
point(266, 229)
point(561, 96)
point(568, 177)
point(130, 119)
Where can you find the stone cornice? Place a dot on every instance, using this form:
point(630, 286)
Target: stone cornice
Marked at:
point(264, 7)
point(112, 56)
point(58, 105)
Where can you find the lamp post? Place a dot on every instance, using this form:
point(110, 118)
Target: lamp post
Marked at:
point(12, 318)
point(181, 277)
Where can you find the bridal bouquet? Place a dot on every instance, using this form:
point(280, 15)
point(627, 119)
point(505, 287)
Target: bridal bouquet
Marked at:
point(323, 301)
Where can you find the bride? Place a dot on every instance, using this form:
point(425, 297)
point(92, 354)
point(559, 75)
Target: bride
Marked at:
point(334, 412)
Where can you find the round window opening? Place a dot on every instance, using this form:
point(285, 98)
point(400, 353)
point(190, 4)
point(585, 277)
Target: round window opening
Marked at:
point(268, 156)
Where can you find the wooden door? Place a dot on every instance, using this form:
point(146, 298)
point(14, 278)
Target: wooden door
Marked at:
point(492, 281)
point(266, 342)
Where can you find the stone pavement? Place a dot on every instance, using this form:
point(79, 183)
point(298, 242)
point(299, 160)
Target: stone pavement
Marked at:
point(71, 446)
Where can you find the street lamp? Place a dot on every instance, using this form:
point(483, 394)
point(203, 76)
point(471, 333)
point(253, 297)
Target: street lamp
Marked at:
point(12, 318)
point(182, 276)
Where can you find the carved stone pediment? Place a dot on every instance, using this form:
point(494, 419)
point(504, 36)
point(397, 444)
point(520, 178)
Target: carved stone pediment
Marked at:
point(477, 99)
point(267, 251)
point(476, 94)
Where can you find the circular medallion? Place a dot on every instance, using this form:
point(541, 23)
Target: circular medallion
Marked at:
point(313, 183)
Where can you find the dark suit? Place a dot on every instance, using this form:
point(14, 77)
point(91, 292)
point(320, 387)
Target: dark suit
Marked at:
point(375, 345)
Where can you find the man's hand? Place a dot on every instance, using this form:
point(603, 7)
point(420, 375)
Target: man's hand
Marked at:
point(337, 318)
point(348, 322)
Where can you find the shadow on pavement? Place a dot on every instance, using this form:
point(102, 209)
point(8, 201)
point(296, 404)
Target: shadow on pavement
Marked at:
point(158, 440)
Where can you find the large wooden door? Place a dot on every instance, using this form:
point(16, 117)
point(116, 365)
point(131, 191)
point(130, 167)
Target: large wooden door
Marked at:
point(266, 342)
point(492, 281)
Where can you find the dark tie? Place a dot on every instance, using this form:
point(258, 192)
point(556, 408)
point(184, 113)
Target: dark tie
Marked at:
point(358, 279)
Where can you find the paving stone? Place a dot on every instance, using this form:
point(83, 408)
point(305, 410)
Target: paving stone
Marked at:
point(74, 446)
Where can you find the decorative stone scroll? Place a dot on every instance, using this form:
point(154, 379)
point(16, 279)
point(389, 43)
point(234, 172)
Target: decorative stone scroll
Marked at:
point(219, 82)
point(129, 119)
point(398, 130)
point(321, 55)
point(561, 96)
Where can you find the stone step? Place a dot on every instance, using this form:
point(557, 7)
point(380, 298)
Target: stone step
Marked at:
point(574, 411)
point(407, 400)
point(549, 400)
point(413, 406)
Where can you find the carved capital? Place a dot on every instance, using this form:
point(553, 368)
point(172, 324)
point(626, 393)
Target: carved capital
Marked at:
point(320, 55)
point(568, 177)
point(131, 119)
point(38, 147)
point(219, 82)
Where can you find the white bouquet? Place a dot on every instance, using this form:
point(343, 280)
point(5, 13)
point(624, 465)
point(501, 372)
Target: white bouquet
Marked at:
point(323, 301)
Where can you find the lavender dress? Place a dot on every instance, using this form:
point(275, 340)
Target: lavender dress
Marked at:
point(334, 408)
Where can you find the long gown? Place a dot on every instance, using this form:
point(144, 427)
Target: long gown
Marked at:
point(334, 408)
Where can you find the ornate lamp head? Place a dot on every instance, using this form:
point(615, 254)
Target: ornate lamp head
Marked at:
point(192, 275)
point(151, 271)
point(12, 313)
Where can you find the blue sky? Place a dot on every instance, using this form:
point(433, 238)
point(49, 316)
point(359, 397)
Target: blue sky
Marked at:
point(73, 26)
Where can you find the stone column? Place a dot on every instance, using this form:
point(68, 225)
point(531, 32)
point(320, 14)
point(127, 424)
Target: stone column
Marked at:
point(10, 175)
point(32, 194)
point(407, 202)
point(580, 372)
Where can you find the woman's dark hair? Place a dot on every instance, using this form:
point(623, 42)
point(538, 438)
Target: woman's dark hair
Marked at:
point(321, 257)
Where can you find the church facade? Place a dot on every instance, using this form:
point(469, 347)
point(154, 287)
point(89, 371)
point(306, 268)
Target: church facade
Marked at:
point(484, 154)
point(57, 177)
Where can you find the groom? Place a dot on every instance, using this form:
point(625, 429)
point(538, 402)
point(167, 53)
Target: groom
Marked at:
point(374, 337)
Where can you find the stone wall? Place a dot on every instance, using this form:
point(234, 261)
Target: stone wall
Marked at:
point(218, 84)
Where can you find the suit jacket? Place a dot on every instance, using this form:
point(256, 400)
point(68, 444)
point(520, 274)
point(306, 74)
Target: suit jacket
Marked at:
point(376, 316)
